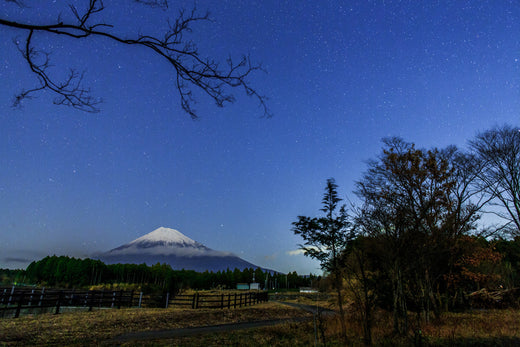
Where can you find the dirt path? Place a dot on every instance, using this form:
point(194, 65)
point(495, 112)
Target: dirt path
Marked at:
point(180, 332)
point(168, 334)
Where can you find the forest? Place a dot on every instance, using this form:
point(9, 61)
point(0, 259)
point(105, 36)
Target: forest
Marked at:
point(69, 272)
point(416, 244)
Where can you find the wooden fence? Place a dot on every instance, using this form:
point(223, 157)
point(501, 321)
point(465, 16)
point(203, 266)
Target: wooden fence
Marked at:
point(229, 300)
point(17, 300)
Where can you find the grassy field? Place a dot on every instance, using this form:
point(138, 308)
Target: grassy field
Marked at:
point(483, 328)
point(475, 328)
point(489, 327)
point(88, 328)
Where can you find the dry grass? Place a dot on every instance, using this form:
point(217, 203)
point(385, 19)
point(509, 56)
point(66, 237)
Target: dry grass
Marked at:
point(289, 334)
point(484, 328)
point(88, 328)
point(493, 326)
point(476, 328)
point(323, 300)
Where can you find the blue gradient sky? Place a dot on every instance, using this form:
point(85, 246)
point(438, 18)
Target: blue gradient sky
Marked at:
point(341, 75)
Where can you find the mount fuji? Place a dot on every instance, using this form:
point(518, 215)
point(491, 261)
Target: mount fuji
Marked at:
point(170, 246)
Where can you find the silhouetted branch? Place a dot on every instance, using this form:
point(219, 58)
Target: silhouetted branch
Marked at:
point(498, 151)
point(192, 71)
point(69, 92)
point(17, 2)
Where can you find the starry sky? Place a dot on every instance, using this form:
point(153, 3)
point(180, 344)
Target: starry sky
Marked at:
point(340, 76)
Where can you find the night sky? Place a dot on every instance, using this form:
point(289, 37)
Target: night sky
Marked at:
point(340, 76)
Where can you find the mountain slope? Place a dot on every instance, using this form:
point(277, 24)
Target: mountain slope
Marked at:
point(165, 245)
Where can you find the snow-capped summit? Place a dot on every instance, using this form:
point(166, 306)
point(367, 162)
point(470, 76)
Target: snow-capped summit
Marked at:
point(165, 241)
point(166, 236)
point(170, 246)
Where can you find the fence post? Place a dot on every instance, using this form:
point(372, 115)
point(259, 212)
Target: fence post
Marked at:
point(195, 304)
point(3, 296)
point(30, 299)
point(18, 308)
point(113, 299)
point(101, 297)
point(58, 303)
point(131, 298)
point(240, 302)
point(229, 301)
point(10, 297)
point(235, 303)
point(90, 300)
point(119, 299)
point(41, 296)
point(167, 299)
point(140, 298)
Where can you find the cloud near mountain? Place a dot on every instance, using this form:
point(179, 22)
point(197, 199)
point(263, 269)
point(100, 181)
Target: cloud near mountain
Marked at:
point(295, 252)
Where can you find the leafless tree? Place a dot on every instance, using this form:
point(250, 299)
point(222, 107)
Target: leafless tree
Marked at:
point(191, 70)
point(499, 152)
point(418, 203)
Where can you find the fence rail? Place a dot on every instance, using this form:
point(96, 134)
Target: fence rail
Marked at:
point(16, 299)
point(200, 300)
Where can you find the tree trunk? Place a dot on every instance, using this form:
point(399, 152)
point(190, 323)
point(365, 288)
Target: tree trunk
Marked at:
point(399, 303)
point(340, 304)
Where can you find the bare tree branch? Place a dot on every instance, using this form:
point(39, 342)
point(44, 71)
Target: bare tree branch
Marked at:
point(69, 92)
point(17, 2)
point(191, 69)
point(498, 150)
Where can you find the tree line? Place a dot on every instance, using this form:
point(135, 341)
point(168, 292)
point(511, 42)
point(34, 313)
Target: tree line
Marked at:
point(414, 245)
point(69, 272)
